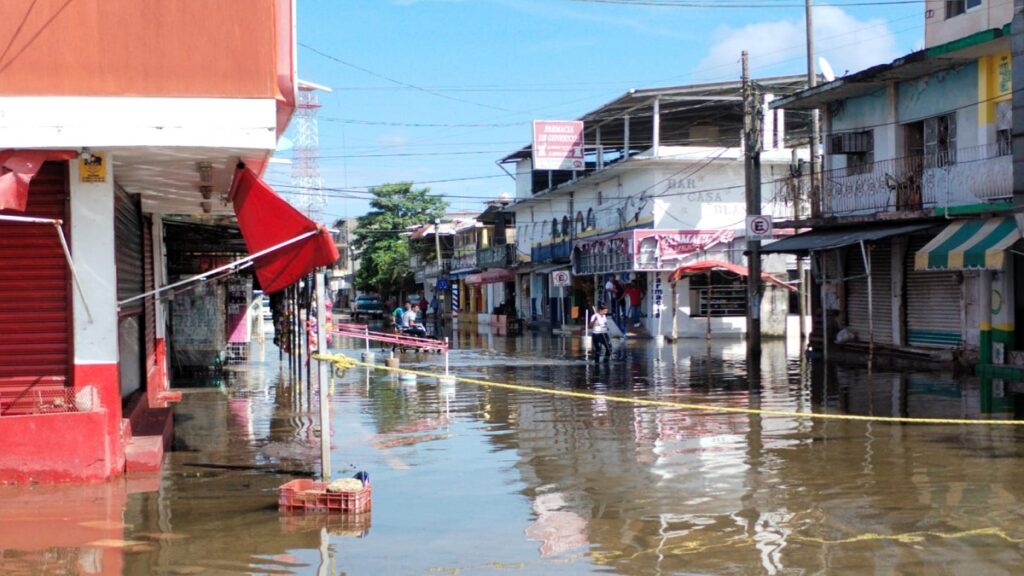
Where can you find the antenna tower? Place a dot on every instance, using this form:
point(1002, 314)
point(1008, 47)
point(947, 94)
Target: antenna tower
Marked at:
point(306, 181)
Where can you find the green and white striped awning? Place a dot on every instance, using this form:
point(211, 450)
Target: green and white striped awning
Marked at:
point(978, 244)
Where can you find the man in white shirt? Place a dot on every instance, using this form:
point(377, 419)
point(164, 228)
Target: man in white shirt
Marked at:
point(599, 329)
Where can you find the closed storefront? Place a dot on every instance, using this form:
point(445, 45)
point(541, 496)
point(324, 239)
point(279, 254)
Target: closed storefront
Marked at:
point(933, 303)
point(857, 293)
point(128, 245)
point(35, 317)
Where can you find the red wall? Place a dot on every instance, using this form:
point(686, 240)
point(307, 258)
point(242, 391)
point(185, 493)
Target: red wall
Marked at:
point(48, 448)
point(192, 48)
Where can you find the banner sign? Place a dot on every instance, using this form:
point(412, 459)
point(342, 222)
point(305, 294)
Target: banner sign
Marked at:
point(558, 145)
point(675, 243)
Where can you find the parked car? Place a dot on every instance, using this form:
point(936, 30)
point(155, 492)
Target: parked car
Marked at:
point(369, 306)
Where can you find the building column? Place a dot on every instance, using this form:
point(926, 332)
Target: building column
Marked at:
point(95, 305)
point(985, 318)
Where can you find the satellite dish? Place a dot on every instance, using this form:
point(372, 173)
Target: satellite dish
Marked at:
point(826, 69)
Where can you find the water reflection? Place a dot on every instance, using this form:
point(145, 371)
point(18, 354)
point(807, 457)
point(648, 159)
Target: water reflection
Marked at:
point(470, 479)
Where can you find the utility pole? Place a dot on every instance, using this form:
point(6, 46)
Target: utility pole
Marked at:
point(812, 81)
point(752, 171)
point(814, 167)
point(440, 272)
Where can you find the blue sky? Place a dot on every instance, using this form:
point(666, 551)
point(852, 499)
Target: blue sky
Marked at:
point(435, 91)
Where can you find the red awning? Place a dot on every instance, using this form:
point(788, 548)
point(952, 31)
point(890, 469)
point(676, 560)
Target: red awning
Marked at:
point(17, 167)
point(492, 277)
point(266, 220)
point(705, 266)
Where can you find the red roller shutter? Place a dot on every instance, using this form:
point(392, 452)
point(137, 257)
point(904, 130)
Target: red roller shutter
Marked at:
point(149, 309)
point(35, 308)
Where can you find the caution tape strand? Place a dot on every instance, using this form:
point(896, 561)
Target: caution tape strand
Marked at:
point(344, 362)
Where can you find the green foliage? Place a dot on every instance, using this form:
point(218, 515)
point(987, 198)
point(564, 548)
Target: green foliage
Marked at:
point(383, 250)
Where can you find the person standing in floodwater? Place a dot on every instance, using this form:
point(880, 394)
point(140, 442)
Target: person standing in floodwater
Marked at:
point(599, 329)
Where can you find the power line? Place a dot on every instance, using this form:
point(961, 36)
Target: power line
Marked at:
point(400, 82)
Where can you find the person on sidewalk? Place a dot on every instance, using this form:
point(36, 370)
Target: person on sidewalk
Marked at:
point(599, 330)
point(636, 297)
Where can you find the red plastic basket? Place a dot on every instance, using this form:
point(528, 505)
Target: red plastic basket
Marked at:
point(312, 496)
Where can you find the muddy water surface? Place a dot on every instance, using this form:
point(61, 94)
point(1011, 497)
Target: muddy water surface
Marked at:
point(477, 480)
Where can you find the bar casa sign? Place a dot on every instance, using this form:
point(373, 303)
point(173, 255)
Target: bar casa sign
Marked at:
point(558, 145)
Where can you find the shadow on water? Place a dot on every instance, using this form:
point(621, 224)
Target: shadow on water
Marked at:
point(473, 479)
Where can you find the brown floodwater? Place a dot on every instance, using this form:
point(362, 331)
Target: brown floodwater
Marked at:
point(470, 479)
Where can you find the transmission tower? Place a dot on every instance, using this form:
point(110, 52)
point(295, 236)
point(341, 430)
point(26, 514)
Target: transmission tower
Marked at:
point(306, 181)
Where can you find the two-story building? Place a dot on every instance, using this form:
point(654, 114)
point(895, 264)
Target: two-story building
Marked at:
point(663, 185)
point(343, 272)
point(912, 231)
point(115, 117)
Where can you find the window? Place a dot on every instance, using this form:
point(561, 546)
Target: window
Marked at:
point(591, 219)
point(554, 228)
point(940, 141)
point(958, 7)
point(566, 226)
point(1004, 125)
point(858, 147)
point(723, 294)
point(580, 222)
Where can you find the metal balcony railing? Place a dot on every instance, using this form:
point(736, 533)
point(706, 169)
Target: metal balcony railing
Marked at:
point(557, 251)
point(432, 269)
point(500, 256)
point(464, 261)
point(949, 178)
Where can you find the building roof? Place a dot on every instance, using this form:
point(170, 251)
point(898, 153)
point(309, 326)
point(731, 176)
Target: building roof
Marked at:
point(686, 105)
point(913, 65)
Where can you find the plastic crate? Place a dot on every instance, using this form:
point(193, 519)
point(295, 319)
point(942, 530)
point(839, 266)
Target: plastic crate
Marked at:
point(311, 496)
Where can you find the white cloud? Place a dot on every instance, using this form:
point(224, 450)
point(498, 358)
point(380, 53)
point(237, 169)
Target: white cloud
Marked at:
point(779, 47)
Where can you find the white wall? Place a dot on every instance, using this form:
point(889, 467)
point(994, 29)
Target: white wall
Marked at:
point(92, 248)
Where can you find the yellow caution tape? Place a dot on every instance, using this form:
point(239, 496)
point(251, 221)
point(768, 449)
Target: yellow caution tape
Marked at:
point(344, 362)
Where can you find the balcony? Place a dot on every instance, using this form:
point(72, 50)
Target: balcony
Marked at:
point(955, 178)
point(431, 269)
point(602, 263)
point(465, 261)
point(500, 256)
point(557, 251)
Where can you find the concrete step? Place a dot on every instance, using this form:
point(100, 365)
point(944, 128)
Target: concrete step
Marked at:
point(144, 454)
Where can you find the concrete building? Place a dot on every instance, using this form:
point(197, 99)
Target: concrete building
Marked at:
point(662, 186)
point(130, 116)
point(912, 223)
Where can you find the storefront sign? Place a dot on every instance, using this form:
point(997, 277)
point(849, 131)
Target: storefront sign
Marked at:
point(92, 168)
point(557, 145)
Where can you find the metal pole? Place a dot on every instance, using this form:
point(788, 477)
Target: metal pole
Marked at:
point(752, 133)
point(865, 253)
point(325, 412)
point(561, 304)
point(812, 81)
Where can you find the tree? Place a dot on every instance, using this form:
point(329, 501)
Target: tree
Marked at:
point(383, 249)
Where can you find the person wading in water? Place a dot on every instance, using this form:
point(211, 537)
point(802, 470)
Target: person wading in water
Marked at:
point(599, 328)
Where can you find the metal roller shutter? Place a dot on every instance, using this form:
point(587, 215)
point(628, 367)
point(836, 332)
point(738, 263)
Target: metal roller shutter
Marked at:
point(857, 293)
point(934, 305)
point(35, 305)
point(149, 307)
point(128, 247)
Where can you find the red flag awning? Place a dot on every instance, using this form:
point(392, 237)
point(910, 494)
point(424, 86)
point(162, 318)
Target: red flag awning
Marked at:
point(492, 277)
point(17, 167)
point(265, 221)
point(709, 265)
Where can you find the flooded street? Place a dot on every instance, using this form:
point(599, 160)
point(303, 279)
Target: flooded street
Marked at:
point(471, 479)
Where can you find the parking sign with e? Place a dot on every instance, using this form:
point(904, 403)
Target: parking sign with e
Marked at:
point(759, 227)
